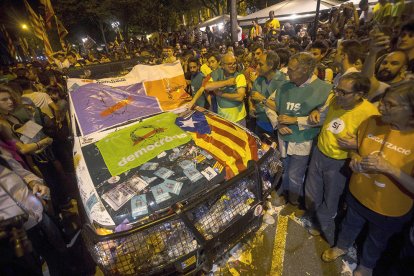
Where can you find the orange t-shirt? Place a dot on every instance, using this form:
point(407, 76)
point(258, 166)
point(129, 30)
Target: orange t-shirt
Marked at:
point(379, 192)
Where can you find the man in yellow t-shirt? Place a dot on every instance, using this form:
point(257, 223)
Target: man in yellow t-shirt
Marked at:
point(229, 87)
point(328, 170)
point(382, 12)
point(256, 30)
point(382, 184)
point(272, 26)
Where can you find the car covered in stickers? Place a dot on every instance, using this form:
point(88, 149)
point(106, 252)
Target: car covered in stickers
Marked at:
point(164, 189)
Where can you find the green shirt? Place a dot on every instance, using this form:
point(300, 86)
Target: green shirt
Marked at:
point(196, 82)
point(218, 75)
point(297, 101)
point(266, 88)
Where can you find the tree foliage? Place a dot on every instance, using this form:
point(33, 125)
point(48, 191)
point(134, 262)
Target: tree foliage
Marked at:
point(138, 16)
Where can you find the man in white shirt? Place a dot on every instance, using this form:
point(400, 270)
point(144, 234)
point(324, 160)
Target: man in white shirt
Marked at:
point(349, 58)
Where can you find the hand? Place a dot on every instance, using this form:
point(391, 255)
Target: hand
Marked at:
point(379, 41)
point(231, 81)
point(218, 92)
point(375, 163)
point(256, 96)
point(252, 111)
point(253, 76)
point(284, 130)
point(40, 189)
point(348, 142)
point(47, 141)
point(314, 117)
point(287, 120)
point(356, 166)
point(190, 105)
point(59, 119)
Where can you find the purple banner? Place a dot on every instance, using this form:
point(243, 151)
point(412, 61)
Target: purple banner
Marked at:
point(99, 106)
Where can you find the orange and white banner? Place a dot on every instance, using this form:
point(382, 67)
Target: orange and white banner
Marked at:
point(166, 82)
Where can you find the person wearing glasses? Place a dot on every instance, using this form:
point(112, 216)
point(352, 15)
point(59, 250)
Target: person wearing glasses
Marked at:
point(229, 87)
point(381, 189)
point(328, 169)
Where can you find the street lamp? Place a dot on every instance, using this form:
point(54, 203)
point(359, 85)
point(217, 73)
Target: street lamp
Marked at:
point(115, 25)
point(24, 27)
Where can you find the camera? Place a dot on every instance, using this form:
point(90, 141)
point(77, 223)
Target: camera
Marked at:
point(12, 218)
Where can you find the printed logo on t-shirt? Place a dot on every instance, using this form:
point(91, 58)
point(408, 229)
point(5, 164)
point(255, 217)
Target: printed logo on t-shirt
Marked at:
point(336, 126)
point(389, 145)
point(292, 106)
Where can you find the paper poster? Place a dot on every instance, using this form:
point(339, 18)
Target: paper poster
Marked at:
point(160, 193)
point(187, 164)
point(118, 196)
point(137, 144)
point(149, 166)
point(139, 206)
point(172, 186)
point(164, 173)
point(29, 129)
point(193, 174)
point(123, 192)
point(98, 106)
point(209, 173)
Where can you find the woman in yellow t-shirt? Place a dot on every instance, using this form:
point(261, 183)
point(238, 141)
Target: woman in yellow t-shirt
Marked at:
point(382, 185)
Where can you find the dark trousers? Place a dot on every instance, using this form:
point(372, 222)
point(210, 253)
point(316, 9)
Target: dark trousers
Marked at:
point(380, 230)
point(48, 243)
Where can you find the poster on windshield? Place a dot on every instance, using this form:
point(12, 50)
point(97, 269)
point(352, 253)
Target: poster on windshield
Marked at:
point(98, 107)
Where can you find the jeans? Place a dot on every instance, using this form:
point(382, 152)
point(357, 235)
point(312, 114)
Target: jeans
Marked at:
point(242, 122)
point(380, 230)
point(293, 176)
point(324, 186)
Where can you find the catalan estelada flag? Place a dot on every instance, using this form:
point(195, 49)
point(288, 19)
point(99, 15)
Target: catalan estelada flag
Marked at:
point(10, 44)
point(228, 144)
point(35, 21)
point(49, 12)
point(62, 32)
point(39, 29)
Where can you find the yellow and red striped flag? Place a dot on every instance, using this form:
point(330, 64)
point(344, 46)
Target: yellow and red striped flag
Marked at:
point(10, 45)
point(228, 144)
point(49, 12)
point(35, 21)
point(62, 32)
point(48, 47)
point(24, 46)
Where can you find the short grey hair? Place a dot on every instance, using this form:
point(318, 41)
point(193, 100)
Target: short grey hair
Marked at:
point(305, 60)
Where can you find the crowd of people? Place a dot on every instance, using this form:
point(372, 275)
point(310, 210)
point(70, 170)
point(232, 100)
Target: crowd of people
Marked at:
point(340, 105)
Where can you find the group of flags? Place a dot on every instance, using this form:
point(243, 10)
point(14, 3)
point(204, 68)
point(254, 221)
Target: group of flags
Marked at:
point(40, 25)
point(9, 41)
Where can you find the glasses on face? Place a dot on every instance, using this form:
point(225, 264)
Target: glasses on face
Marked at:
point(230, 64)
point(342, 92)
